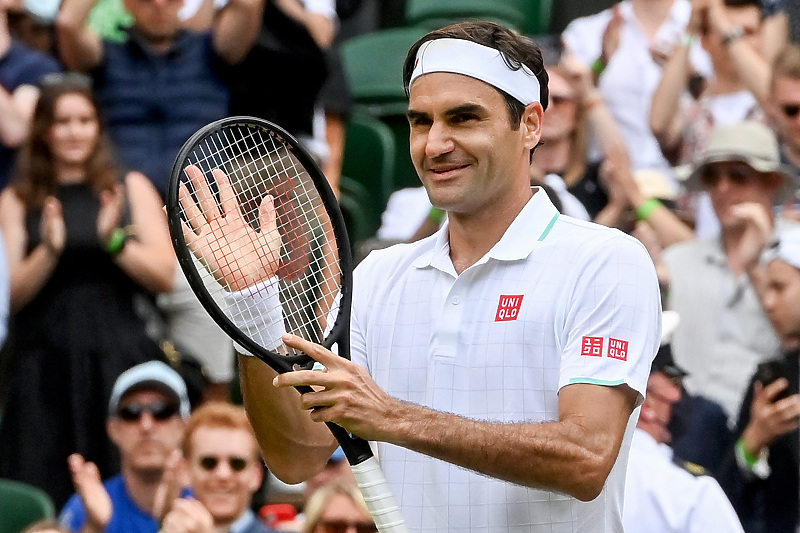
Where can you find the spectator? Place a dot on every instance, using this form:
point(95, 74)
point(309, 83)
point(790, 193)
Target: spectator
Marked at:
point(146, 418)
point(575, 113)
point(162, 83)
point(281, 77)
point(761, 474)
point(156, 89)
point(626, 47)
point(784, 103)
point(664, 493)
point(20, 70)
point(730, 33)
point(83, 242)
point(714, 282)
point(337, 507)
point(224, 468)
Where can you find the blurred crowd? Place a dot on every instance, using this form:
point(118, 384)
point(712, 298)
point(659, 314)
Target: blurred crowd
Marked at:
point(676, 121)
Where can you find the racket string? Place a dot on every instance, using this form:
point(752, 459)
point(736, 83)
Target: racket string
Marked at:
point(257, 164)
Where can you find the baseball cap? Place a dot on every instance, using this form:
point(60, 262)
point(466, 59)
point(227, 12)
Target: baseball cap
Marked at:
point(788, 247)
point(152, 375)
point(750, 142)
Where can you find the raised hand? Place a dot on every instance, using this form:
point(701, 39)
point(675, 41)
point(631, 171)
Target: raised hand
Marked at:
point(88, 485)
point(112, 204)
point(769, 419)
point(52, 228)
point(236, 255)
point(755, 222)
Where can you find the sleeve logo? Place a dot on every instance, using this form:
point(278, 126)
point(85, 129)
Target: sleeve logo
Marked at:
point(592, 346)
point(508, 308)
point(617, 349)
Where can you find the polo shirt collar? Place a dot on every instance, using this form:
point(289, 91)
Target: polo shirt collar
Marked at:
point(530, 227)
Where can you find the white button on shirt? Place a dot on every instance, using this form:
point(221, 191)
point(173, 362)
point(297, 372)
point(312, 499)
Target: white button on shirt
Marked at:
point(496, 343)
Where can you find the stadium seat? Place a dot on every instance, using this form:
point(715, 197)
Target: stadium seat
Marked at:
point(358, 211)
point(369, 158)
point(21, 505)
point(436, 13)
point(373, 64)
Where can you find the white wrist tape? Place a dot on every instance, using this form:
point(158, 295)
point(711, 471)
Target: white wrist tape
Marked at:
point(257, 312)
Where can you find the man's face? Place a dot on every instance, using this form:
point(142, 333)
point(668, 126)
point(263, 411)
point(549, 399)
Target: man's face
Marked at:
point(782, 301)
point(462, 145)
point(147, 429)
point(224, 470)
point(785, 97)
point(749, 18)
point(157, 20)
point(663, 391)
point(731, 183)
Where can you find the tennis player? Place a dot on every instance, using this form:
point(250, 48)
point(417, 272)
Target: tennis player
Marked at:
point(499, 363)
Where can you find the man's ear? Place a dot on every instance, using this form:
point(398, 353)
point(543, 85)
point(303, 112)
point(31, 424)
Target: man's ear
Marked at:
point(113, 430)
point(531, 124)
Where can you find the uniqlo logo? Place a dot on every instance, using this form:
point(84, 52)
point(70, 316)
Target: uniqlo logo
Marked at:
point(508, 308)
point(617, 349)
point(592, 346)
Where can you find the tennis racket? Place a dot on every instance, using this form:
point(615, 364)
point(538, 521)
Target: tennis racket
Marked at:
point(260, 274)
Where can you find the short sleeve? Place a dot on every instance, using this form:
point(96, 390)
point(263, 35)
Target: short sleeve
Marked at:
point(73, 515)
point(612, 324)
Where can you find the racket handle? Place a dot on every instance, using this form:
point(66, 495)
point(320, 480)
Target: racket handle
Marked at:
point(379, 498)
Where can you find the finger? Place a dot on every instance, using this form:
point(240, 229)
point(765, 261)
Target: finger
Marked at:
point(315, 351)
point(205, 199)
point(226, 194)
point(772, 390)
point(193, 216)
point(303, 378)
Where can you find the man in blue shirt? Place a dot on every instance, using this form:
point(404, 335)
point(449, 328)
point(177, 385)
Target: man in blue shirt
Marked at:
point(147, 413)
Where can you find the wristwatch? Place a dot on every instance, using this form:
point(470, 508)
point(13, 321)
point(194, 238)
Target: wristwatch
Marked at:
point(732, 35)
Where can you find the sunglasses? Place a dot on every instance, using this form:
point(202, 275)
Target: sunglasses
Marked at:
point(790, 110)
point(738, 175)
point(342, 526)
point(160, 411)
point(557, 99)
point(209, 463)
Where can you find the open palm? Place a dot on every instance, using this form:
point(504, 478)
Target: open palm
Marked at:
point(237, 255)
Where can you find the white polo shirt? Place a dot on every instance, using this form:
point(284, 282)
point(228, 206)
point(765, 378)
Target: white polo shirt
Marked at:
point(556, 301)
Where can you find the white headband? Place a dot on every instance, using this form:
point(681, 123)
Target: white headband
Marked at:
point(460, 56)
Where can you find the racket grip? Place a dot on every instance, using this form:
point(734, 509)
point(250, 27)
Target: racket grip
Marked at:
point(380, 501)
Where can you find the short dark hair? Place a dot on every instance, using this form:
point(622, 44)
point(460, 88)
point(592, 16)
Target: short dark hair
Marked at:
point(515, 48)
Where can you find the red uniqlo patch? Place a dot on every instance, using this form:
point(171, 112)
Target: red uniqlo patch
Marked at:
point(508, 308)
point(592, 346)
point(617, 349)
